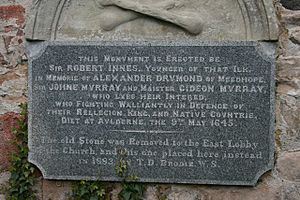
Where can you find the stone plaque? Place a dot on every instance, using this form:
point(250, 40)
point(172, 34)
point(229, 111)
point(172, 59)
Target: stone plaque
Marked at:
point(175, 112)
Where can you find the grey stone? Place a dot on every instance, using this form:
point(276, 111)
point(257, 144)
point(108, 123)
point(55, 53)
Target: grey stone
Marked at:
point(58, 190)
point(288, 166)
point(291, 191)
point(187, 20)
point(166, 108)
point(290, 17)
point(295, 37)
point(4, 178)
point(216, 19)
point(291, 4)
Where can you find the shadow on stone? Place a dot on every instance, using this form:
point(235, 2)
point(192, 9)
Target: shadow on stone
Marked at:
point(291, 4)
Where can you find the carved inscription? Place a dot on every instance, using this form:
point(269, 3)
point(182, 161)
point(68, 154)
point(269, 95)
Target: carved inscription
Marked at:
point(187, 114)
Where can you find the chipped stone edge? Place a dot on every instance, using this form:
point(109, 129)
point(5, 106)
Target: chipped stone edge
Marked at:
point(267, 51)
point(36, 49)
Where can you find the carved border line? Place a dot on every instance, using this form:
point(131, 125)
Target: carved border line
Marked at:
point(56, 18)
point(37, 3)
point(246, 19)
point(267, 18)
point(264, 18)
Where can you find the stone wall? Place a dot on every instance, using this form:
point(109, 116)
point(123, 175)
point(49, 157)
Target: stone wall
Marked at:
point(13, 78)
point(282, 183)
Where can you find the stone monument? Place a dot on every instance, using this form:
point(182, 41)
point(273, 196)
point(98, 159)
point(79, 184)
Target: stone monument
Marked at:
point(145, 88)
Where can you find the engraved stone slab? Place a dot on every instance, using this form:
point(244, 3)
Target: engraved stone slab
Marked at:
point(176, 112)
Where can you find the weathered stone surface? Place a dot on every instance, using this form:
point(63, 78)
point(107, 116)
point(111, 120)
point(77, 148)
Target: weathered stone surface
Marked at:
point(290, 17)
point(288, 128)
point(175, 140)
point(291, 191)
point(12, 21)
point(295, 36)
point(289, 74)
point(37, 187)
point(288, 103)
point(186, 193)
point(288, 120)
point(270, 189)
point(152, 193)
point(12, 53)
point(58, 190)
point(188, 20)
point(291, 4)
point(115, 192)
point(4, 178)
point(222, 20)
point(259, 193)
point(288, 166)
point(16, 2)
point(7, 122)
point(13, 12)
point(13, 89)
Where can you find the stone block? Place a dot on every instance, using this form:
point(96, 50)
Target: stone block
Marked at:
point(290, 17)
point(295, 37)
point(269, 189)
point(288, 166)
point(288, 124)
point(13, 12)
point(152, 193)
point(12, 22)
point(4, 178)
point(288, 68)
point(7, 122)
point(56, 190)
point(13, 89)
point(291, 191)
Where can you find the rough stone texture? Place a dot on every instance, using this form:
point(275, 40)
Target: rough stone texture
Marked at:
point(288, 104)
point(12, 54)
point(189, 21)
point(58, 190)
point(288, 166)
point(288, 75)
point(290, 191)
point(270, 189)
point(115, 192)
point(152, 192)
point(7, 122)
point(12, 36)
point(38, 189)
point(289, 18)
point(13, 79)
point(291, 4)
point(13, 89)
point(4, 178)
point(295, 36)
